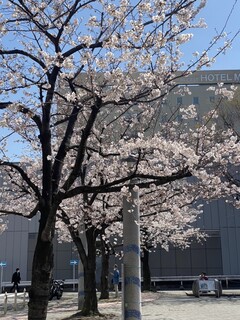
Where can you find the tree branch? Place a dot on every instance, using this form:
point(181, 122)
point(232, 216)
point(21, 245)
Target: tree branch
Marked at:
point(29, 216)
point(24, 177)
point(117, 185)
point(23, 53)
point(23, 110)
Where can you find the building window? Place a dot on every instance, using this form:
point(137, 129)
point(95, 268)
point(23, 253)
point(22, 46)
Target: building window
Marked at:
point(179, 118)
point(212, 99)
point(197, 118)
point(195, 100)
point(164, 118)
point(164, 101)
point(179, 101)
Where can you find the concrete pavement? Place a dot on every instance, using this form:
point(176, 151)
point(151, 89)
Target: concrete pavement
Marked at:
point(161, 305)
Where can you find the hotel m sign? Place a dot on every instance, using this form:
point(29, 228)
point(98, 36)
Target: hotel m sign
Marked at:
point(220, 77)
point(212, 77)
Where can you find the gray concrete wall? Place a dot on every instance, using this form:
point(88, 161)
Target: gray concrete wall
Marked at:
point(17, 245)
point(221, 216)
point(14, 246)
point(192, 261)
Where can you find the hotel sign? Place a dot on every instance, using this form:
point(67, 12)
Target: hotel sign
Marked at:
point(212, 77)
point(220, 77)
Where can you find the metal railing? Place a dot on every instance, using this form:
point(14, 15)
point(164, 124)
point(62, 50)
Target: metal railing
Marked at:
point(183, 279)
point(154, 280)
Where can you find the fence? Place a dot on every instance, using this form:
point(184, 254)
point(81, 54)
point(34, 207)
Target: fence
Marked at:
point(13, 301)
point(182, 279)
point(154, 280)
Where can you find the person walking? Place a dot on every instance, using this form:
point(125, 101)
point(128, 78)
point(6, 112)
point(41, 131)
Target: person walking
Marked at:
point(16, 278)
point(115, 279)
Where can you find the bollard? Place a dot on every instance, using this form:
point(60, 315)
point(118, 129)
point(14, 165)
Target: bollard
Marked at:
point(5, 303)
point(15, 301)
point(24, 297)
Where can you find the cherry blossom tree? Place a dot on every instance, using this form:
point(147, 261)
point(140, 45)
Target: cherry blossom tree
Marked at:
point(173, 225)
point(229, 112)
point(2, 226)
point(75, 74)
point(168, 209)
point(229, 116)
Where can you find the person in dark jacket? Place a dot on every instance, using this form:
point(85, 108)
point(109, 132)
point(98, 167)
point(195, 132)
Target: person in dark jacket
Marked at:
point(16, 278)
point(115, 279)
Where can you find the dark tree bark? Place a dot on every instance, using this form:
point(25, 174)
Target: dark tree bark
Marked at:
point(105, 271)
point(41, 275)
point(146, 271)
point(90, 304)
point(88, 259)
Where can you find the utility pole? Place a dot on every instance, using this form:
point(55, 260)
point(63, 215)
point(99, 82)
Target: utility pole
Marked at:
point(131, 291)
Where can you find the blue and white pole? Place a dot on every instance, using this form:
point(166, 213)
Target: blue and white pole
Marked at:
point(81, 292)
point(2, 264)
point(131, 297)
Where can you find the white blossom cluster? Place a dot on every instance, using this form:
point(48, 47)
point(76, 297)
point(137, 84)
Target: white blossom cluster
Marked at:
point(83, 83)
point(224, 92)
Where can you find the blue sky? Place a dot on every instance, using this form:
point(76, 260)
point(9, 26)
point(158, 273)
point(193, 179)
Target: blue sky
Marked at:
point(215, 14)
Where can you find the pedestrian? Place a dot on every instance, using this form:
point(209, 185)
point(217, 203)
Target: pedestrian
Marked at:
point(115, 279)
point(203, 276)
point(16, 278)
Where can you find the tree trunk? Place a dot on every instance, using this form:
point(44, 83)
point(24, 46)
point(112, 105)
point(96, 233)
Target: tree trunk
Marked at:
point(88, 258)
point(42, 267)
point(146, 271)
point(104, 271)
point(90, 304)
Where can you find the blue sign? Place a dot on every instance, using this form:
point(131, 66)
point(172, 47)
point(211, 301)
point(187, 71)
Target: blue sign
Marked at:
point(73, 262)
point(3, 264)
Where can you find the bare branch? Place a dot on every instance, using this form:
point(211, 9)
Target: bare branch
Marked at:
point(22, 214)
point(117, 185)
point(24, 176)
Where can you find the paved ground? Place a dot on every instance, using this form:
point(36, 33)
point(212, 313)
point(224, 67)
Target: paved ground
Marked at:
point(162, 305)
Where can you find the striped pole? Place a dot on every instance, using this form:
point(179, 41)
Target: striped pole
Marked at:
point(131, 303)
